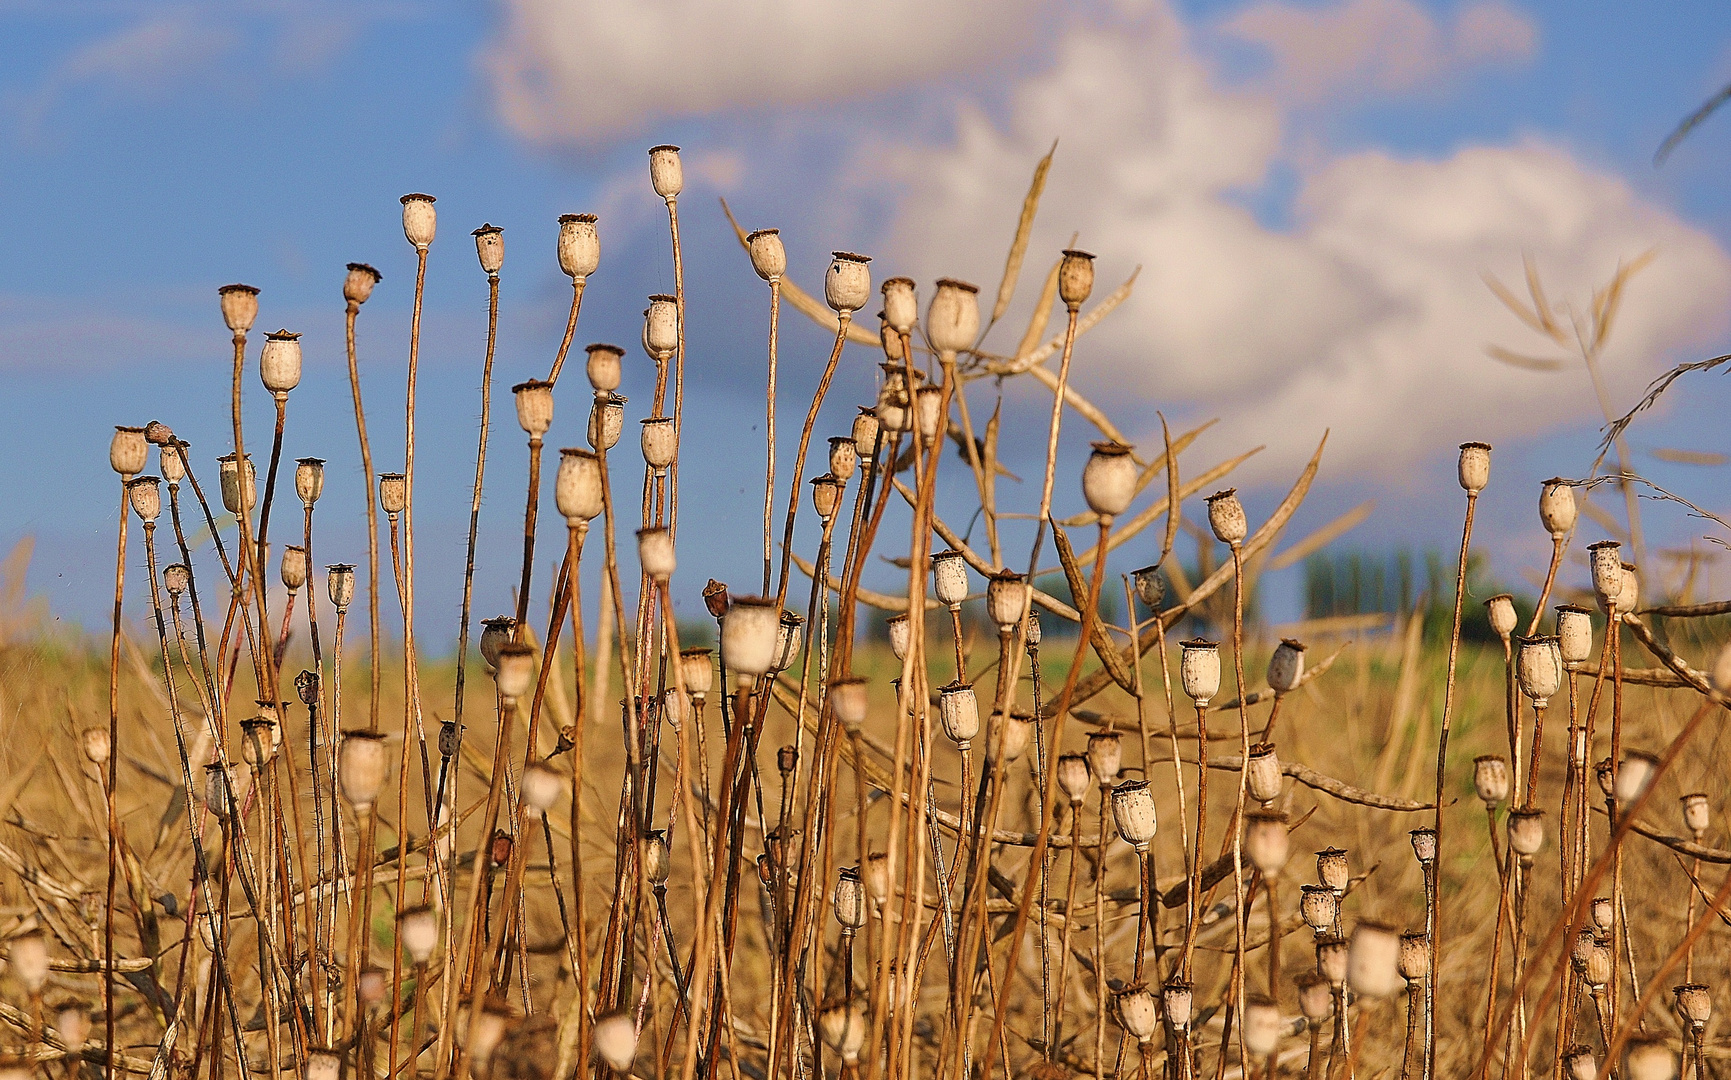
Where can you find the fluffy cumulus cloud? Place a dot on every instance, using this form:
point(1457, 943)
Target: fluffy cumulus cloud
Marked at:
point(578, 72)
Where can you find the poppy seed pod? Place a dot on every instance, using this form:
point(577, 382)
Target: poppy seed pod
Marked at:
point(865, 435)
point(1414, 955)
point(1005, 744)
point(789, 636)
point(1607, 562)
point(889, 340)
point(1722, 669)
point(490, 248)
point(715, 598)
point(358, 284)
point(309, 479)
point(1320, 908)
point(1267, 840)
point(541, 787)
point(294, 568)
point(768, 255)
point(660, 442)
point(534, 407)
point(239, 306)
point(362, 764)
point(850, 699)
point(825, 495)
point(1635, 776)
point(1500, 609)
point(340, 585)
point(1630, 598)
point(843, 458)
point(145, 495)
point(1695, 1003)
point(843, 1030)
point(1226, 517)
point(901, 635)
point(577, 486)
point(661, 326)
point(1262, 775)
point(953, 319)
point(279, 363)
point(1199, 670)
point(418, 931)
point(450, 738)
point(393, 492)
point(1314, 999)
point(94, 741)
point(1373, 960)
point(604, 367)
point(1491, 778)
point(1526, 831)
point(1474, 468)
point(128, 451)
point(420, 220)
point(1574, 636)
point(1424, 845)
point(237, 483)
point(1539, 668)
point(157, 433)
point(657, 857)
point(1074, 777)
point(750, 631)
point(606, 422)
point(72, 1024)
point(1031, 632)
point(959, 713)
point(258, 741)
point(1150, 586)
point(1075, 278)
point(1006, 598)
point(1697, 813)
point(1649, 1058)
point(697, 669)
point(850, 909)
point(848, 285)
point(176, 578)
point(1578, 1064)
point(877, 877)
point(1109, 479)
point(1176, 999)
point(1137, 1012)
point(1603, 913)
point(1286, 666)
point(514, 670)
point(1606, 774)
point(615, 1039)
point(218, 783)
point(486, 1032)
point(171, 460)
point(1557, 507)
point(29, 960)
point(1105, 757)
point(1332, 869)
point(950, 577)
point(666, 175)
point(901, 304)
point(579, 246)
point(655, 554)
point(1263, 1025)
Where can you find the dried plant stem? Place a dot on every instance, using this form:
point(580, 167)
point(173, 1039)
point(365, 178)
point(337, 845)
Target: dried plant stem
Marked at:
point(475, 502)
point(769, 432)
point(1239, 902)
point(374, 671)
point(113, 780)
point(844, 319)
point(577, 285)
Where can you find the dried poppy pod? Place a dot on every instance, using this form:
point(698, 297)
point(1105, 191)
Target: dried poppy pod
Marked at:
point(1694, 1004)
point(340, 585)
point(1526, 831)
point(876, 874)
point(657, 857)
point(1176, 999)
point(1539, 668)
point(604, 367)
point(238, 483)
point(666, 174)
point(218, 783)
point(1286, 666)
point(959, 713)
point(950, 578)
point(157, 433)
point(450, 738)
point(1500, 610)
point(579, 246)
point(29, 960)
point(418, 932)
point(362, 764)
point(1074, 777)
point(928, 411)
point(1031, 632)
point(1606, 558)
point(359, 282)
point(901, 304)
point(826, 492)
point(843, 1029)
point(420, 220)
point(1474, 468)
point(1649, 1057)
point(1697, 813)
point(750, 632)
point(660, 442)
point(1320, 907)
point(1605, 772)
point(1150, 586)
point(1333, 870)
point(894, 408)
point(1006, 599)
point(1424, 845)
point(1105, 757)
point(1491, 778)
point(715, 598)
point(1263, 1025)
point(953, 319)
point(1314, 999)
point(1722, 669)
point(1634, 776)
point(1226, 517)
point(1557, 507)
point(486, 1032)
point(514, 671)
point(850, 699)
point(1199, 670)
point(577, 487)
point(1574, 636)
point(1373, 960)
point(1109, 479)
point(171, 460)
point(849, 899)
point(697, 669)
point(615, 1039)
point(176, 578)
point(1137, 1012)
point(239, 306)
point(661, 326)
point(1263, 778)
point(94, 741)
point(1005, 744)
point(1267, 840)
point(534, 407)
point(901, 633)
point(606, 422)
point(279, 363)
point(309, 479)
point(145, 495)
point(789, 636)
point(865, 435)
point(128, 451)
point(768, 255)
point(1596, 966)
point(72, 1024)
point(848, 285)
point(1629, 599)
point(294, 568)
point(1578, 1064)
point(393, 492)
point(490, 248)
point(1414, 956)
point(843, 458)
point(541, 787)
point(1075, 278)
point(655, 554)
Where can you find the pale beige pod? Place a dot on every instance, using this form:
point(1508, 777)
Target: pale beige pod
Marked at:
point(309, 479)
point(171, 461)
point(579, 246)
point(294, 568)
point(1424, 845)
point(604, 367)
point(420, 220)
point(843, 457)
point(541, 787)
point(928, 411)
point(1262, 776)
point(1598, 966)
point(1176, 1000)
point(1649, 1057)
point(843, 1029)
point(1526, 831)
point(239, 306)
point(514, 670)
point(865, 434)
point(72, 1024)
point(950, 577)
point(340, 585)
point(1722, 669)
point(1491, 778)
point(1008, 744)
point(1557, 507)
point(1031, 632)
point(615, 1039)
point(128, 451)
point(577, 486)
point(953, 319)
point(749, 634)
point(890, 340)
point(1074, 777)
point(666, 174)
point(145, 495)
point(418, 930)
point(29, 960)
point(279, 363)
point(1578, 1063)
point(768, 254)
point(362, 764)
point(661, 325)
point(901, 634)
point(1286, 666)
point(237, 483)
point(826, 493)
point(1630, 598)
point(1607, 562)
point(1138, 1012)
point(393, 492)
point(1150, 586)
point(359, 282)
point(848, 285)
point(877, 877)
point(176, 578)
point(94, 741)
point(1474, 468)
point(1315, 1000)
point(850, 699)
point(657, 857)
point(1109, 479)
point(1695, 1003)
point(534, 407)
point(1263, 1025)
point(1333, 870)
point(1105, 756)
point(486, 1032)
point(1635, 776)
point(849, 899)
point(1373, 960)
point(1226, 517)
point(660, 442)
point(1320, 907)
point(789, 636)
point(1539, 668)
point(1267, 840)
point(959, 713)
point(901, 304)
point(1574, 636)
point(606, 422)
point(1075, 278)
point(1500, 609)
point(1697, 812)
point(490, 248)
point(1133, 813)
point(1199, 670)
point(1006, 598)
point(1605, 772)
point(697, 668)
point(1414, 955)
point(655, 554)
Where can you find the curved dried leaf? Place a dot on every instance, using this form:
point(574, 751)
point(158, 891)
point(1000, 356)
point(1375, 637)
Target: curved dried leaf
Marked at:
point(1024, 226)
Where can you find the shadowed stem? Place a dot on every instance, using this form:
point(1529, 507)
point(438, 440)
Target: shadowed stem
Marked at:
point(843, 320)
point(372, 527)
point(1243, 791)
point(113, 779)
point(769, 428)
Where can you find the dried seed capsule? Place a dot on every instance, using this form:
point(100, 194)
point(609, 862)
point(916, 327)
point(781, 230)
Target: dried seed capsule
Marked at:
point(1263, 778)
point(490, 248)
point(697, 668)
point(1006, 598)
point(577, 487)
point(1105, 757)
point(420, 220)
point(655, 554)
point(950, 577)
point(1697, 814)
point(1574, 635)
point(1607, 563)
point(1226, 517)
point(1526, 831)
point(848, 284)
point(1424, 845)
point(1373, 960)
point(959, 713)
point(1109, 479)
point(850, 699)
point(541, 787)
point(1199, 670)
point(1176, 999)
point(361, 767)
point(953, 320)
point(768, 255)
point(843, 458)
point(514, 672)
point(1133, 813)
point(615, 1039)
point(1414, 955)
point(1150, 586)
point(239, 306)
point(1320, 907)
point(901, 635)
point(1474, 468)
point(534, 407)
point(1557, 507)
point(1267, 840)
point(1491, 778)
point(309, 479)
point(1263, 1025)
point(340, 585)
point(1500, 609)
point(294, 568)
point(604, 367)
point(1286, 666)
point(145, 495)
point(418, 930)
point(1137, 1012)
point(358, 284)
point(850, 909)
point(901, 304)
point(1332, 869)
point(1075, 278)
point(279, 363)
point(393, 492)
point(1634, 776)
point(1074, 777)
point(749, 634)
point(128, 451)
point(579, 246)
point(1539, 668)
point(789, 635)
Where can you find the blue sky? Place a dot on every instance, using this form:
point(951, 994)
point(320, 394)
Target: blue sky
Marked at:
point(1312, 189)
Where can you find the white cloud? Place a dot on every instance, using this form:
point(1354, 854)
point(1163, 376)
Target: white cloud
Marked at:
point(579, 72)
